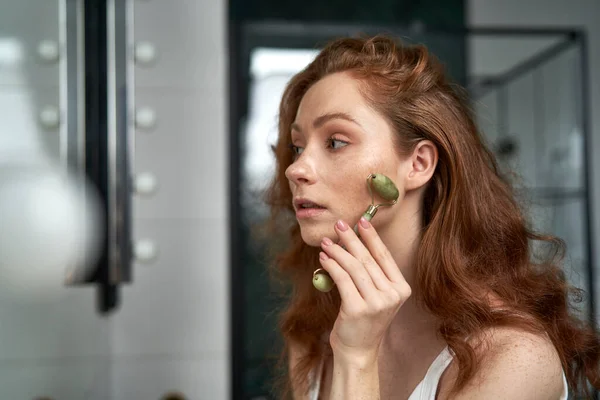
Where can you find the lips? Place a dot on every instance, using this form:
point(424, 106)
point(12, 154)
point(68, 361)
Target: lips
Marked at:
point(306, 204)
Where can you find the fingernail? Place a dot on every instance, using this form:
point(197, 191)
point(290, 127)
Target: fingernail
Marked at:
point(323, 256)
point(327, 241)
point(342, 226)
point(364, 223)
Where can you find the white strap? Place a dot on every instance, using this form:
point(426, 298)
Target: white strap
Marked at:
point(315, 381)
point(427, 388)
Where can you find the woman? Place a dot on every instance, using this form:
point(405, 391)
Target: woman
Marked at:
point(440, 296)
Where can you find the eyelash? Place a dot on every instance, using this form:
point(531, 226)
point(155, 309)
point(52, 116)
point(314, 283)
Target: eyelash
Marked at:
point(328, 143)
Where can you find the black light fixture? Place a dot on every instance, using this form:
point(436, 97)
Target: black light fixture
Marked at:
point(98, 77)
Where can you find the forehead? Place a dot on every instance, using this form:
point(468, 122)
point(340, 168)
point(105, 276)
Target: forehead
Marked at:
point(340, 93)
point(337, 92)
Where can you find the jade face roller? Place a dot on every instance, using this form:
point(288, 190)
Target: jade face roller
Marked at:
point(387, 190)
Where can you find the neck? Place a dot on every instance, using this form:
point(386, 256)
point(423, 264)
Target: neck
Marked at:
point(413, 327)
point(402, 236)
point(413, 324)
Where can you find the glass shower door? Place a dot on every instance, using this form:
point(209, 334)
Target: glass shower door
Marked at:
point(535, 122)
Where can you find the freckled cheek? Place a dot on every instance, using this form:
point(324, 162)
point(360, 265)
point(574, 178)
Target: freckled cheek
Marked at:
point(352, 187)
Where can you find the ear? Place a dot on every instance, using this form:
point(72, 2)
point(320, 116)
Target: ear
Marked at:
point(422, 163)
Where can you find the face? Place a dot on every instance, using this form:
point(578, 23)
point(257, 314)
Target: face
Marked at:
point(339, 140)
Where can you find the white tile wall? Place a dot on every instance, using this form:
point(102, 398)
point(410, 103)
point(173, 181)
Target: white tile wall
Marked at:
point(61, 323)
point(190, 38)
point(21, 124)
point(171, 333)
point(186, 152)
point(58, 379)
point(152, 377)
point(23, 24)
point(178, 305)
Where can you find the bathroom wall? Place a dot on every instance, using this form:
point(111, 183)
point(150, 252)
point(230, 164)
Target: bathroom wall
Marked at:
point(171, 332)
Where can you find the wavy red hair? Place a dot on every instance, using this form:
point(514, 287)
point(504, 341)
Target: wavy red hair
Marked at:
point(475, 242)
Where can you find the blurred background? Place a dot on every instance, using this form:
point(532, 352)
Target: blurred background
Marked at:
point(134, 144)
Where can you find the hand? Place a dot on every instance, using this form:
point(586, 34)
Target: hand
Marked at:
point(372, 290)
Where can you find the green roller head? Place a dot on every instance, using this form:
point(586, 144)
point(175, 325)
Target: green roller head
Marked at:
point(384, 187)
point(322, 281)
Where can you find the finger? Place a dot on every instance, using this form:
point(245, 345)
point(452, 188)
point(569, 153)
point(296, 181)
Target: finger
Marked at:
point(358, 250)
point(380, 252)
point(357, 272)
point(348, 291)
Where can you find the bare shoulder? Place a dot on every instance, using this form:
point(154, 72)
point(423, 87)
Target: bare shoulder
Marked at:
point(515, 364)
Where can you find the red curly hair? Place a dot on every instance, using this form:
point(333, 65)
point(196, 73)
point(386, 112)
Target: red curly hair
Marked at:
point(475, 241)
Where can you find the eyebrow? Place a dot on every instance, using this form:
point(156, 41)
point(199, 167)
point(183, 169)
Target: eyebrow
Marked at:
point(321, 120)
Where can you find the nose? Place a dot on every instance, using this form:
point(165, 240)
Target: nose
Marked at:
point(301, 171)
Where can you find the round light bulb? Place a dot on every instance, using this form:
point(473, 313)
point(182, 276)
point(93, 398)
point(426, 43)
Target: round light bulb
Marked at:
point(145, 118)
point(145, 251)
point(144, 53)
point(48, 51)
point(145, 184)
point(50, 117)
point(50, 225)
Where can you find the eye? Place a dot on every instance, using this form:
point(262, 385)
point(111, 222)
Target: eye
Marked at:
point(297, 150)
point(335, 144)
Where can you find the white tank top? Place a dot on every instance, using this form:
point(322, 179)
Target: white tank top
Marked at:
point(426, 389)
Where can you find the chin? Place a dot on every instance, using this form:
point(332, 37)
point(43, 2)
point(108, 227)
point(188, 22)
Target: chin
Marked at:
point(313, 236)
